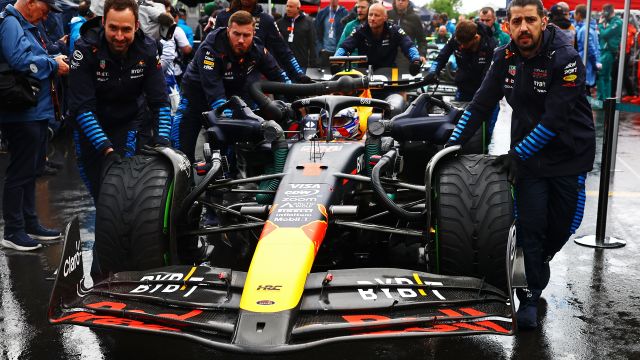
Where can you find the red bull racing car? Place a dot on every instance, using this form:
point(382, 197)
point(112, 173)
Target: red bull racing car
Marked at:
point(337, 217)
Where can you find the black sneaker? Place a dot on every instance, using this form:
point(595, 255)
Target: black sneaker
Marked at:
point(39, 232)
point(20, 241)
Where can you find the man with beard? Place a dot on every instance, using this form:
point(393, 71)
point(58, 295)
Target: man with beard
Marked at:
point(362, 10)
point(552, 139)
point(472, 45)
point(487, 16)
point(226, 63)
point(112, 67)
point(267, 32)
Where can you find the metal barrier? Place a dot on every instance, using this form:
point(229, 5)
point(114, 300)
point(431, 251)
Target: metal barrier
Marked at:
point(600, 240)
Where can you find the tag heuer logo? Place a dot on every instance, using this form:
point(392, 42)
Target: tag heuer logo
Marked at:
point(103, 64)
point(512, 70)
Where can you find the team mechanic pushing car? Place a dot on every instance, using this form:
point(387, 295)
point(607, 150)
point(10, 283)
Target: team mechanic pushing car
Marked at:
point(552, 139)
point(472, 45)
point(226, 63)
point(111, 68)
point(268, 33)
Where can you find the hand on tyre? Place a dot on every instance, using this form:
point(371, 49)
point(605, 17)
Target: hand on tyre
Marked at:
point(414, 68)
point(111, 157)
point(507, 163)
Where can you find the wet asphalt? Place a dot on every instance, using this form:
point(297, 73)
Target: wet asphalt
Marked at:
point(591, 309)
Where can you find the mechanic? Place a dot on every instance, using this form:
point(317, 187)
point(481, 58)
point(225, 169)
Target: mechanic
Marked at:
point(473, 46)
point(552, 139)
point(225, 64)
point(379, 41)
point(112, 67)
point(267, 32)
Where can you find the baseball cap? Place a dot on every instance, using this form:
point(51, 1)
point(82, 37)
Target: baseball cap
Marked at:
point(52, 5)
point(556, 10)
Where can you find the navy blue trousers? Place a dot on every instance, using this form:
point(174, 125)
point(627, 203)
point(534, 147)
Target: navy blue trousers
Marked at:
point(548, 211)
point(27, 142)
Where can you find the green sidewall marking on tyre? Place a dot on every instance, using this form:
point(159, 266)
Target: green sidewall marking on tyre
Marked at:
point(167, 209)
point(437, 248)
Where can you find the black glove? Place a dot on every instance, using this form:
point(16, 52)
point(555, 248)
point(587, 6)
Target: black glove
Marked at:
point(414, 68)
point(108, 161)
point(303, 79)
point(507, 163)
point(335, 68)
point(431, 77)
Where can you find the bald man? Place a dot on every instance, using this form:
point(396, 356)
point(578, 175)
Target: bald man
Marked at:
point(299, 32)
point(379, 40)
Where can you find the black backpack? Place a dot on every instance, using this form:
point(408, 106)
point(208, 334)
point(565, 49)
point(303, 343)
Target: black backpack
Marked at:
point(18, 91)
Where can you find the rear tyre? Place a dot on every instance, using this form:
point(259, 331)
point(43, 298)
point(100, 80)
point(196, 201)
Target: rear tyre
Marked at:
point(473, 213)
point(130, 215)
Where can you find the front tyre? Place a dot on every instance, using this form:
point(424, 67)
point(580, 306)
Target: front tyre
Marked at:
point(131, 220)
point(473, 212)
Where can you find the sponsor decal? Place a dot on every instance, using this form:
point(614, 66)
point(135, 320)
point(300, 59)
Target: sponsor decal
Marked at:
point(77, 55)
point(447, 323)
point(507, 53)
point(84, 317)
point(512, 70)
point(265, 302)
point(103, 64)
point(269, 287)
point(376, 288)
point(71, 263)
point(539, 73)
point(570, 77)
point(326, 149)
point(33, 68)
point(572, 70)
point(137, 73)
point(168, 288)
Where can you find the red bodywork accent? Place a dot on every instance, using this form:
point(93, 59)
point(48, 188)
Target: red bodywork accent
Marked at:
point(480, 326)
point(315, 231)
point(110, 320)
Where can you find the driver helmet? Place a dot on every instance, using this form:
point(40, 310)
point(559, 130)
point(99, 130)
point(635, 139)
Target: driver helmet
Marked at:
point(345, 125)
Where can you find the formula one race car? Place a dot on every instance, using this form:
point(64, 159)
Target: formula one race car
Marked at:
point(334, 229)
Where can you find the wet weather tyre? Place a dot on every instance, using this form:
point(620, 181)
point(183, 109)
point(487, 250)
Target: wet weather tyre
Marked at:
point(473, 213)
point(130, 215)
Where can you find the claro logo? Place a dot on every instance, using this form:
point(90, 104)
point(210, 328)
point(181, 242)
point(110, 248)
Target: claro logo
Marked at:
point(72, 262)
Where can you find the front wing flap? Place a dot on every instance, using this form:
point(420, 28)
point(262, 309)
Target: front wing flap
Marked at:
point(202, 304)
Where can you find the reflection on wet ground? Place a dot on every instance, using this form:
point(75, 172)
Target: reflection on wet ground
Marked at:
point(591, 308)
